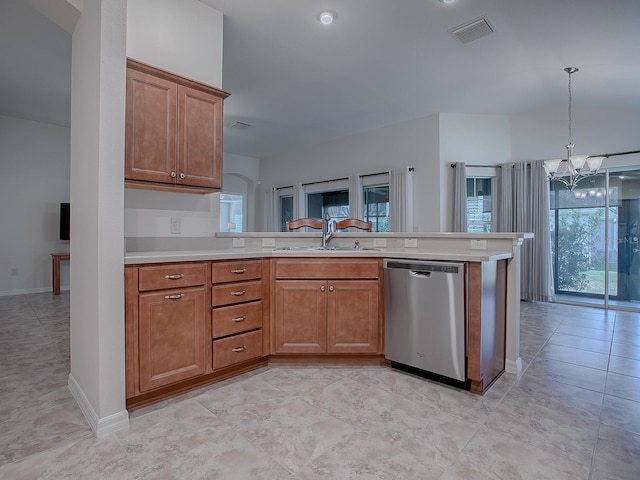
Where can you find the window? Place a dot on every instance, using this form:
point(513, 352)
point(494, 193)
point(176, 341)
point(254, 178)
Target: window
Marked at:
point(479, 204)
point(231, 218)
point(335, 203)
point(286, 211)
point(376, 207)
point(316, 199)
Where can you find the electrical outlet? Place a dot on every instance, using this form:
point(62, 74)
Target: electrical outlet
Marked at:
point(268, 242)
point(176, 225)
point(238, 242)
point(14, 272)
point(478, 245)
point(411, 242)
point(379, 242)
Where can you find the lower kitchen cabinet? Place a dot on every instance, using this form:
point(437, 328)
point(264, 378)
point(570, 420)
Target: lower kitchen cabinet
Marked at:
point(167, 326)
point(335, 315)
point(172, 338)
point(236, 348)
point(352, 316)
point(300, 316)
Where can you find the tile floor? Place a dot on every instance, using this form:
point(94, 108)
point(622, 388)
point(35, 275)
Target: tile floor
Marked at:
point(574, 413)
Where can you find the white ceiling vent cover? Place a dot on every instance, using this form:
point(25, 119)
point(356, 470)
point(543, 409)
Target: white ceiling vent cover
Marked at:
point(238, 124)
point(473, 30)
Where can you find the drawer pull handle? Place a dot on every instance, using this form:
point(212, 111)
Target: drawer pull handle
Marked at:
point(239, 349)
point(237, 294)
point(239, 319)
point(239, 271)
point(177, 276)
point(174, 297)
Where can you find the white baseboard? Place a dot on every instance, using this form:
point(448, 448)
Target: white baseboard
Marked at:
point(514, 366)
point(100, 426)
point(25, 291)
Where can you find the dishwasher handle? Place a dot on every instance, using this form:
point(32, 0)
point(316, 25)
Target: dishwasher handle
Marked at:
point(418, 273)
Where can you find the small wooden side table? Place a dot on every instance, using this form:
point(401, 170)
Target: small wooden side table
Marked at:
point(55, 259)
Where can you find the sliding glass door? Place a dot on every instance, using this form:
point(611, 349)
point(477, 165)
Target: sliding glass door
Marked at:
point(595, 233)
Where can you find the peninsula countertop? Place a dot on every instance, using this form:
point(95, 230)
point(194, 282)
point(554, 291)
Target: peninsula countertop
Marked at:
point(462, 247)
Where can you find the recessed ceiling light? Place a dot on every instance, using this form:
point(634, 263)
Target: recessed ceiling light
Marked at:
point(448, 1)
point(326, 18)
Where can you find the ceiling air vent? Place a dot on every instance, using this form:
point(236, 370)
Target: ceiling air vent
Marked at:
point(237, 124)
point(473, 30)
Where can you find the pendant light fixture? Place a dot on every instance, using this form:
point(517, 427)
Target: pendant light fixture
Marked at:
point(571, 169)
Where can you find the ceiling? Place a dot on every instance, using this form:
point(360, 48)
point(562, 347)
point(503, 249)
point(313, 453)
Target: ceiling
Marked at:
point(299, 83)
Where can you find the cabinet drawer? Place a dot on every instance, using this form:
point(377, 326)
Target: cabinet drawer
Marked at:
point(236, 349)
point(224, 272)
point(171, 276)
point(235, 293)
point(235, 319)
point(316, 268)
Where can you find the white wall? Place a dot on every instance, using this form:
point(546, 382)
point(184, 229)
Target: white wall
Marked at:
point(35, 179)
point(97, 377)
point(474, 139)
point(429, 144)
point(543, 133)
point(242, 175)
point(184, 38)
point(414, 143)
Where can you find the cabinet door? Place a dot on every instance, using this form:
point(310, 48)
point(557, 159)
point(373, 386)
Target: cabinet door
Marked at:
point(150, 132)
point(352, 317)
point(172, 342)
point(300, 316)
point(199, 138)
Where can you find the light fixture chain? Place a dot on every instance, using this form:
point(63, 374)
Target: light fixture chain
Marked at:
point(570, 98)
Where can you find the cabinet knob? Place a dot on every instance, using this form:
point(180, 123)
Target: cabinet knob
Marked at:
point(173, 174)
point(239, 319)
point(238, 293)
point(322, 289)
point(331, 288)
point(239, 349)
point(183, 176)
point(239, 271)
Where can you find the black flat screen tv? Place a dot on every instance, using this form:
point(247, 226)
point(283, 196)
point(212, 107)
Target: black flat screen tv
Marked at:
point(65, 220)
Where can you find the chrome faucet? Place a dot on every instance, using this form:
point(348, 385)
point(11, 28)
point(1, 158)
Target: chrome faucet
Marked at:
point(327, 230)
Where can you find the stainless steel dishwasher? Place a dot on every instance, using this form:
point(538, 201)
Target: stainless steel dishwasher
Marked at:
point(425, 318)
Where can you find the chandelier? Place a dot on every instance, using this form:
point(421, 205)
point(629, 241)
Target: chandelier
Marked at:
point(572, 169)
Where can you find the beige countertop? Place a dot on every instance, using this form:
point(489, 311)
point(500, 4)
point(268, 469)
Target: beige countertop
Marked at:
point(461, 247)
point(233, 253)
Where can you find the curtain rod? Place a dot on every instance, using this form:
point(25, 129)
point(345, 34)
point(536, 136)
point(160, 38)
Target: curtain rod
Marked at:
point(607, 155)
point(453, 165)
point(411, 169)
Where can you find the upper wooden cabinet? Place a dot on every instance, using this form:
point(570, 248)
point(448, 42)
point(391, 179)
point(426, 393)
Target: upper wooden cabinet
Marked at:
point(173, 136)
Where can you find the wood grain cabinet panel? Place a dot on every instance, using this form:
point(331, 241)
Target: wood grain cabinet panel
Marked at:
point(300, 316)
point(172, 338)
point(352, 317)
point(337, 315)
point(224, 272)
point(150, 128)
point(237, 312)
point(235, 319)
point(237, 348)
point(171, 276)
point(199, 139)
point(173, 130)
point(232, 293)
